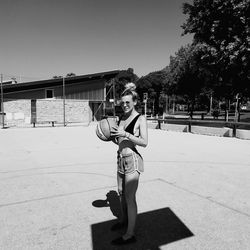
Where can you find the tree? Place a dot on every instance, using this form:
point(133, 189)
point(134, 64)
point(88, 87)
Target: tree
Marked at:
point(70, 74)
point(119, 82)
point(188, 75)
point(124, 77)
point(153, 84)
point(224, 28)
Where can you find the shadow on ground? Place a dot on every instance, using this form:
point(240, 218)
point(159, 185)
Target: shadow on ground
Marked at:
point(154, 228)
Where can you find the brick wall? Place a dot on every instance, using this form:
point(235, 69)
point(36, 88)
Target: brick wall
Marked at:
point(18, 112)
point(75, 110)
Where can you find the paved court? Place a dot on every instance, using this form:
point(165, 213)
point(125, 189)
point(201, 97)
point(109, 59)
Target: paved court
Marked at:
point(58, 191)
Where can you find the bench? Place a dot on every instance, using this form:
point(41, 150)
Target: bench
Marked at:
point(44, 122)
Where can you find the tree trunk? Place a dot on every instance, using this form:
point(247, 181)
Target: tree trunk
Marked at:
point(192, 108)
point(157, 100)
point(166, 105)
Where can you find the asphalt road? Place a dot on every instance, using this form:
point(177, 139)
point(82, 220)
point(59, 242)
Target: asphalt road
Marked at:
point(58, 191)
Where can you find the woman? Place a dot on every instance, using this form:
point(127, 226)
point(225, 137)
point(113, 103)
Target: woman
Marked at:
point(131, 131)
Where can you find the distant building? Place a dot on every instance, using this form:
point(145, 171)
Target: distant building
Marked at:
point(43, 100)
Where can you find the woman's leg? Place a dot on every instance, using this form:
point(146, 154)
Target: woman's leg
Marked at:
point(123, 206)
point(131, 184)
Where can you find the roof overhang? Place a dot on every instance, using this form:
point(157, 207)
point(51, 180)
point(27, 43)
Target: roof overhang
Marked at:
point(10, 88)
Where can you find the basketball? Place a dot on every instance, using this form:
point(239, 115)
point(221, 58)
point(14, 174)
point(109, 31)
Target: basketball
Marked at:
point(104, 127)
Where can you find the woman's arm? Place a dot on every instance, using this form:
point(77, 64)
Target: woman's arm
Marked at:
point(143, 128)
point(115, 139)
point(140, 141)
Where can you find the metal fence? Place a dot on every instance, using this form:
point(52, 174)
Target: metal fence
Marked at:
point(212, 127)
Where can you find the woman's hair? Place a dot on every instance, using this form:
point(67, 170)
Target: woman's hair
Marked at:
point(130, 90)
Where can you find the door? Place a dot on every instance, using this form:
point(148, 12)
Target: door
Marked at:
point(33, 111)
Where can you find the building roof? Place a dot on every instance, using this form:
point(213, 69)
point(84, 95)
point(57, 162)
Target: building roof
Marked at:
point(9, 88)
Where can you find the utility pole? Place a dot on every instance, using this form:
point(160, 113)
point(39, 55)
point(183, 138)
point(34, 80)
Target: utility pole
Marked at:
point(2, 105)
point(105, 98)
point(113, 82)
point(236, 108)
point(145, 99)
point(211, 104)
point(64, 119)
point(173, 104)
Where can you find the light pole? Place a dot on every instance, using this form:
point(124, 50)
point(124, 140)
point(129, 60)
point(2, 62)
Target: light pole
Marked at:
point(64, 119)
point(236, 108)
point(211, 104)
point(114, 94)
point(145, 98)
point(2, 105)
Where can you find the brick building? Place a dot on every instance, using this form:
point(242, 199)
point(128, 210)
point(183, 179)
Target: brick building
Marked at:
point(72, 99)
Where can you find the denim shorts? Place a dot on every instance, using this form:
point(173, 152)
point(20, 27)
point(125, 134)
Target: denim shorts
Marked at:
point(128, 164)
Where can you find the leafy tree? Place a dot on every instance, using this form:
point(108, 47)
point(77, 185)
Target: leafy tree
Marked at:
point(153, 84)
point(187, 75)
point(56, 77)
point(224, 29)
point(70, 74)
point(122, 78)
point(119, 82)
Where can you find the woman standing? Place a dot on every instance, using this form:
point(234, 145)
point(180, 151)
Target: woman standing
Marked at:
point(131, 131)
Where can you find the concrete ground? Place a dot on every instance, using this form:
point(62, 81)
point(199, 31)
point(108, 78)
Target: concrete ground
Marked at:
point(58, 191)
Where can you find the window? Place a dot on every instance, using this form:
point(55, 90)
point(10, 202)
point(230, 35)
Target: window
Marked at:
point(49, 93)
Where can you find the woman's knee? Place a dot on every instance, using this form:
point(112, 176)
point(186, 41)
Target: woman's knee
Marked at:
point(130, 197)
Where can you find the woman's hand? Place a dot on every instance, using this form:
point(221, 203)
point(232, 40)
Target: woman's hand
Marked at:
point(118, 132)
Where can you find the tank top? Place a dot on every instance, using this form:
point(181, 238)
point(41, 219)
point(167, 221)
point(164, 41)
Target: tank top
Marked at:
point(131, 125)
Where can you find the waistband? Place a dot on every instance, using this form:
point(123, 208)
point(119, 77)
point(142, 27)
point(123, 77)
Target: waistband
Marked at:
point(125, 155)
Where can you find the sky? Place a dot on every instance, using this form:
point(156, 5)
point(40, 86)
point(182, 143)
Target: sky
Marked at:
point(44, 38)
